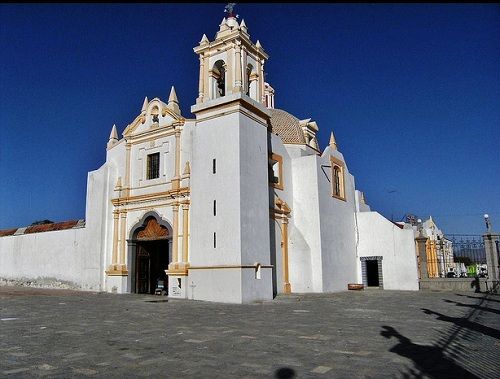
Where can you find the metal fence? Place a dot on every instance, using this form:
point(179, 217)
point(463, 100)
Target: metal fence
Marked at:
point(456, 255)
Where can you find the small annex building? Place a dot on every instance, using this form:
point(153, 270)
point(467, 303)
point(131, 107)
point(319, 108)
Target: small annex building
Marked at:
point(234, 205)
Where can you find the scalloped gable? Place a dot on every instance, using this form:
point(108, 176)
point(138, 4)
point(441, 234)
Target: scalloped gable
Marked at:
point(144, 121)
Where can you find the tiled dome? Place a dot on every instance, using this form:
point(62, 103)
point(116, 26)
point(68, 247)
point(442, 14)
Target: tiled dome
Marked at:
point(286, 126)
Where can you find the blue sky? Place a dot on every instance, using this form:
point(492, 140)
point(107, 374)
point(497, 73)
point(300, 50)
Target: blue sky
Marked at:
point(411, 91)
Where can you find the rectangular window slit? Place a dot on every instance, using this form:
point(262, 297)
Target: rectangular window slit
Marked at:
point(215, 207)
point(213, 166)
point(215, 240)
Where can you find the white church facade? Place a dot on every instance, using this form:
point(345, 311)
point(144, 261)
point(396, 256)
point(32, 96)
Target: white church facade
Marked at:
point(234, 205)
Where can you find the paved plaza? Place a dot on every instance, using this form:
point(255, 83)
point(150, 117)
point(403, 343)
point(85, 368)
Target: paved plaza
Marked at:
point(353, 334)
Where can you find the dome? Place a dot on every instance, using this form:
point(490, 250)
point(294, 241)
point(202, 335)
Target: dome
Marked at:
point(286, 126)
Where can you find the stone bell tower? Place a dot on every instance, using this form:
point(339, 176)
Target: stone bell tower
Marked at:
point(229, 232)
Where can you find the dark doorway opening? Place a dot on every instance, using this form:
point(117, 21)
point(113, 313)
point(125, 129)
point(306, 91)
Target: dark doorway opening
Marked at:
point(152, 259)
point(372, 277)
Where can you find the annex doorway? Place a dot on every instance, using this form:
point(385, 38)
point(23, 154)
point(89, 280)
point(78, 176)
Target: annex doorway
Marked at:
point(371, 271)
point(372, 278)
point(150, 250)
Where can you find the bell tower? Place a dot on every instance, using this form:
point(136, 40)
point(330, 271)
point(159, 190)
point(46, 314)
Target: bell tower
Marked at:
point(231, 64)
point(229, 230)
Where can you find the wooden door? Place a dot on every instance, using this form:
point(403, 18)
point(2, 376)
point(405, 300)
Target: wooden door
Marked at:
point(143, 270)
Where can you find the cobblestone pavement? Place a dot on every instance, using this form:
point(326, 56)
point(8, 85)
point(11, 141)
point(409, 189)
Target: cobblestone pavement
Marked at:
point(354, 334)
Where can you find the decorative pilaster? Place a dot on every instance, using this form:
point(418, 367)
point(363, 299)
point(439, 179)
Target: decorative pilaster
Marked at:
point(262, 80)
point(177, 176)
point(123, 242)
point(118, 266)
point(114, 258)
point(201, 89)
point(282, 213)
point(185, 232)
point(177, 268)
point(175, 236)
point(237, 63)
point(127, 169)
point(287, 287)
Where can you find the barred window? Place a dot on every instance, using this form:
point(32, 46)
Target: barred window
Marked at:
point(153, 169)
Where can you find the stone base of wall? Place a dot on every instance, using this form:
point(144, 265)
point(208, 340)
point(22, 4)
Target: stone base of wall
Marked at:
point(460, 284)
point(40, 283)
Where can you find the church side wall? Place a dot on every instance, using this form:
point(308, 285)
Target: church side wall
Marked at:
point(48, 259)
point(305, 242)
point(380, 237)
point(338, 244)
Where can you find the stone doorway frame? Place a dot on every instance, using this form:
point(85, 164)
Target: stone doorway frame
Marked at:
point(364, 275)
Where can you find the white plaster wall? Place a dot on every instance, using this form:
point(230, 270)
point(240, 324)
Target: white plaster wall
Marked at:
point(380, 237)
point(218, 139)
point(254, 192)
point(220, 285)
point(57, 255)
point(338, 241)
point(306, 220)
point(299, 258)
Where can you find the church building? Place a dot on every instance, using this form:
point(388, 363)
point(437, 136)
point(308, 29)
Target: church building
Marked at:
point(235, 205)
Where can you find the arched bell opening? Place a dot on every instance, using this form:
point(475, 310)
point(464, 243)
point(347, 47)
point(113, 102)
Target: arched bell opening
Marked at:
point(218, 79)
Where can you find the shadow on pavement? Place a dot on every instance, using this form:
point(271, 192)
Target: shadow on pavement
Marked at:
point(428, 359)
point(465, 323)
point(478, 307)
point(479, 297)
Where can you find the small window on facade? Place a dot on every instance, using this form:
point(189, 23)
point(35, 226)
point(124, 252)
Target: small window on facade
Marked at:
point(213, 166)
point(153, 168)
point(215, 207)
point(275, 165)
point(338, 184)
point(336, 180)
point(215, 240)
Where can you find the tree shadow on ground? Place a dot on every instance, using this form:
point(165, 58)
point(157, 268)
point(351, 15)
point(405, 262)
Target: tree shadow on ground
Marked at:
point(479, 297)
point(475, 306)
point(465, 323)
point(428, 359)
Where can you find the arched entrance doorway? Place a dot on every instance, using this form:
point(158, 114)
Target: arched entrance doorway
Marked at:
point(151, 255)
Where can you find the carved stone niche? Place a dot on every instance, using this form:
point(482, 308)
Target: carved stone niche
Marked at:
point(152, 231)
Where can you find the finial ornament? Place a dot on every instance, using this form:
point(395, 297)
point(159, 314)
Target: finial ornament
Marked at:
point(333, 143)
point(229, 9)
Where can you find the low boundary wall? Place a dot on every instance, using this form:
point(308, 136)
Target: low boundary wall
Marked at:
point(459, 284)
